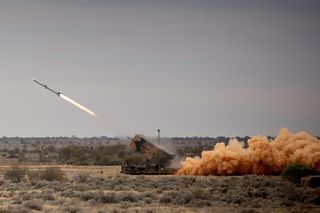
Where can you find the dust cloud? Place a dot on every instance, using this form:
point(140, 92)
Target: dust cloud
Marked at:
point(262, 157)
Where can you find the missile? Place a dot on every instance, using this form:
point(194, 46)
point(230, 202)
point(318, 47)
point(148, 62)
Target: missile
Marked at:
point(46, 87)
point(64, 97)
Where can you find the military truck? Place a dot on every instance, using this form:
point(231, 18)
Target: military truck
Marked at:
point(157, 162)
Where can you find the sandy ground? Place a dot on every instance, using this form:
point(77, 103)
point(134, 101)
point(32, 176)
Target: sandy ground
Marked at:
point(104, 189)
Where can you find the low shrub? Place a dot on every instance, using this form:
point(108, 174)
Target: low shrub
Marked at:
point(15, 209)
point(128, 196)
point(15, 174)
point(148, 200)
point(34, 176)
point(17, 201)
point(72, 209)
point(35, 205)
point(198, 194)
point(199, 203)
point(182, 198)
point(26, 196)
point(108, 197)
point(294, 172)
point(248, 210)
point(46, 196)
point(88, 196)
point(82, 178)
point(125, 205)
point(168, 197)
point(53, 174)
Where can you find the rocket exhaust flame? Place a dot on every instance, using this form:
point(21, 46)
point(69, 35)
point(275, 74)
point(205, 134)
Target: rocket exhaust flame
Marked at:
point(85, 109)
point(262, 157)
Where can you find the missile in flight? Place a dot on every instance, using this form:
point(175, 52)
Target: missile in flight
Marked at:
point(64, 97)
point(46, 87)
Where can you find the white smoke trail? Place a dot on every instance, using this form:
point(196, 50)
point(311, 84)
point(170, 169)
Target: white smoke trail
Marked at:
point(77, 105)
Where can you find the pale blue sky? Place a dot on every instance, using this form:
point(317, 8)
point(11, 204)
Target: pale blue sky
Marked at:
point(204, 68)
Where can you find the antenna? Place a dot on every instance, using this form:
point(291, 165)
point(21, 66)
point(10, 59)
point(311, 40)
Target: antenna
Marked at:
point(158, 136)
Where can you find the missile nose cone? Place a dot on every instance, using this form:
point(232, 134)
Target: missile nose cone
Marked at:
point(32, 78)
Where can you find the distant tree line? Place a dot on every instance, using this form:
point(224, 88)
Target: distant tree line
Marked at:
point(98, 151)
point(89, 155)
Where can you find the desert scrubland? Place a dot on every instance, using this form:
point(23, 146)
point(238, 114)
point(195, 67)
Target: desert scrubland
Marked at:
point(83, 175)
point(104, 189)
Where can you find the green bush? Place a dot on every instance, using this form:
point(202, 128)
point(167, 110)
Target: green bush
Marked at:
point(52, 173)
point(15, 174)
point(294, 172)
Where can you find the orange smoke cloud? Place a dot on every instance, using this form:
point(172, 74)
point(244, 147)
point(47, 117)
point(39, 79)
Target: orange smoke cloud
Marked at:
point(262, 157)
